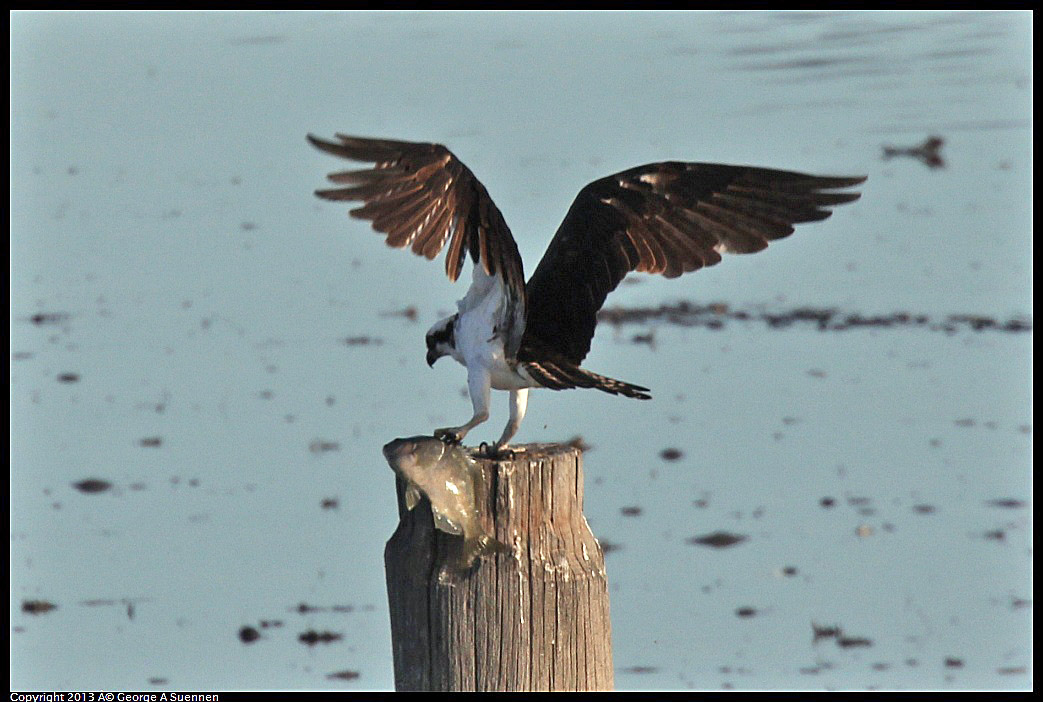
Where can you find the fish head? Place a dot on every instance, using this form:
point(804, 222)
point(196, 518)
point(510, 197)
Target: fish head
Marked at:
point(416, 453)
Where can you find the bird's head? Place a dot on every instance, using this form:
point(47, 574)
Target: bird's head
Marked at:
point(441, 340)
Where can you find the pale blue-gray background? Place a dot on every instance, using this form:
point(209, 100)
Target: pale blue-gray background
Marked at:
point(161, 197)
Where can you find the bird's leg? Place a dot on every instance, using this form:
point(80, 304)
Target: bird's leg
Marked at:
point(519, 401)
point(478, 383)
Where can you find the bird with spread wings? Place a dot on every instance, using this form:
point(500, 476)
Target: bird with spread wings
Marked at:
point(667, 218)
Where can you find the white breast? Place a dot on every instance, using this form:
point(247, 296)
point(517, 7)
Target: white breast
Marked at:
point(479, 340)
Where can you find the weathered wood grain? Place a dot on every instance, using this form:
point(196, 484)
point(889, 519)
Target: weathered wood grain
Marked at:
point(534, 619)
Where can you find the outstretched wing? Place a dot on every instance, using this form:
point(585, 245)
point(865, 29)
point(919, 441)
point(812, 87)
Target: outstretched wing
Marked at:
point(422, 196)
point(668, 218)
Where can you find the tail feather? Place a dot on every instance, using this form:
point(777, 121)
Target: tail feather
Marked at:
point(561, 375)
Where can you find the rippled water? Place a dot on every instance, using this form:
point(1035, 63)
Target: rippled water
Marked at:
point(223, 355)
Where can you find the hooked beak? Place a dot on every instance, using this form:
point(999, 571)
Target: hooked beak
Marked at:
point(432, 356)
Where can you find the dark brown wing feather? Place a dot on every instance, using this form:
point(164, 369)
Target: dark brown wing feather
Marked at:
point(669, 218)
point(421, 196)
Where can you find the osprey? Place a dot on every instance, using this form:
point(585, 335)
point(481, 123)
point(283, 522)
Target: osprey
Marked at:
point(668, 218)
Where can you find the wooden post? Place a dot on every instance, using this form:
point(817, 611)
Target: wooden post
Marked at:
point(534, 619)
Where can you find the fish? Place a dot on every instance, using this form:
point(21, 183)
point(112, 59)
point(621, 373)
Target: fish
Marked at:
point(452, 482)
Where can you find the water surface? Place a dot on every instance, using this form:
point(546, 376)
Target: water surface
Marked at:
point(192, 327)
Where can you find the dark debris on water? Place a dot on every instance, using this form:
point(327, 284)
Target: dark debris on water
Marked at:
point(305, 608)
point(836, 633)
point(92, 485)
point(853, 641)
point(718, 539)
point(1006, 503)
point(312, 637)
point(820, 632)
point(344, 675)
point(37, 606)
point(362, 341)
point(43, 318)
point(409, 313)
point(716, 315)
point(928, 152)
point(323, 446)
point(129, 604)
